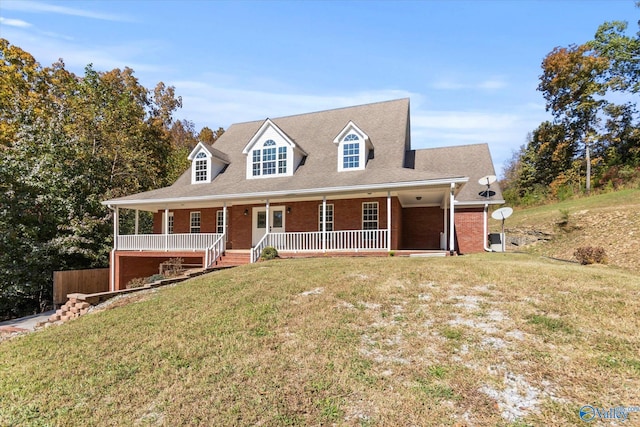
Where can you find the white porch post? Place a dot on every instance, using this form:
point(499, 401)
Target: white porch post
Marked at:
point(388, 220)
point(267, 223)
point(116, 227)
point(443, 243)
point(224, 220)
point(324, 224)
point(166, 229)
point(116, 231)
point(451, 220)
point(137, 221)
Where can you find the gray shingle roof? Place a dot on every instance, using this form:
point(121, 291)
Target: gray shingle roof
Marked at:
point(386, 124)
point(473, 161)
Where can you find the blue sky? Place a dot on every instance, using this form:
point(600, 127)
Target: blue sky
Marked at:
point(470, 67)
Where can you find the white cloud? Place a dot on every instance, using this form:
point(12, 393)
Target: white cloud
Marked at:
point(14, 22)
point(38, 7)
point(493, 83)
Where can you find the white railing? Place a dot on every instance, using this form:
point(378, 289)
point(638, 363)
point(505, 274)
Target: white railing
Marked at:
point(215, 251)
point(257, 249)
point(312, 241)
point(167, 242)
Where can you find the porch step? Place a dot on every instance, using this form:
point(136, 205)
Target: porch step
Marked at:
point(230, 259)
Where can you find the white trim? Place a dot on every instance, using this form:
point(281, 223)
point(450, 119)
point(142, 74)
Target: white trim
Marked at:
point(389, 220)
point(191, 227)
point(452, 220)
point(268, 124)
point(292, 193)
point(369, 221)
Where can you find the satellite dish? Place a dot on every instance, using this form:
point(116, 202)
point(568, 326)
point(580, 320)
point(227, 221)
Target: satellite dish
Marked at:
point(487, 180)
point(502, 213)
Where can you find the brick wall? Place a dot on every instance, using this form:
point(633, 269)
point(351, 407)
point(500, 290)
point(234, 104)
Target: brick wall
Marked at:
point(422, 227)
point(132, 265)
point(469, 230)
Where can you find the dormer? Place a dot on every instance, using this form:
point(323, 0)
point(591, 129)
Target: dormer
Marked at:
point(206, 163)
point(354, 148)
point(272, 153)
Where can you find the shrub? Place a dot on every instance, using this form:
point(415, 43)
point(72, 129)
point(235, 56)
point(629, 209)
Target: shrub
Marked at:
point(269, 253)
point(172, 267)
point(590, 255)
point(154, 278)
point(136, 283)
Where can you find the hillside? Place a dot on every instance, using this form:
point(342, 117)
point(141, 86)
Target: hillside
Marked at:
point(610, 220)
point(489, 339)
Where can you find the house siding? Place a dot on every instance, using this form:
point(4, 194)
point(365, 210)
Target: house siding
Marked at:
point(426, 224)
point(133, 265)
point(469, 230)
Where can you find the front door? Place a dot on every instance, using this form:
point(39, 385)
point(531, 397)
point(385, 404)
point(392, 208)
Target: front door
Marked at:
point(259, 221)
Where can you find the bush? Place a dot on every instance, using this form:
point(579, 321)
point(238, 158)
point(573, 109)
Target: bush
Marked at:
point(136, 283)
point(590, 255)
point(269, 253)
point(172, 267)
point(154, 278)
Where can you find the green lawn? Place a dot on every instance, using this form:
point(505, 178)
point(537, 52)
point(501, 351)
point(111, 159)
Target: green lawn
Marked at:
point(490, 339)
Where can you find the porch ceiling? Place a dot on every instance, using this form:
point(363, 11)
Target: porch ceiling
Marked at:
point(410, 196)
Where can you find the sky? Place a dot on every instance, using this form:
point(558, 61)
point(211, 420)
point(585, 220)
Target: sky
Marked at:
point(470, 68)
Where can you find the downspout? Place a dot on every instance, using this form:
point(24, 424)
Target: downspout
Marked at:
point(484, 225)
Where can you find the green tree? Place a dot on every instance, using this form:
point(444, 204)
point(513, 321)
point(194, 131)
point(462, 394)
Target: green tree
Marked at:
point(69, 142)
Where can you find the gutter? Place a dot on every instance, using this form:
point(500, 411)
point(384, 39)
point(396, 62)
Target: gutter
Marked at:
point(291, 193)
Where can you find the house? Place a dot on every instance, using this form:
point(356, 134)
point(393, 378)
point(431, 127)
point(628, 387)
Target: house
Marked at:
point(342, 181)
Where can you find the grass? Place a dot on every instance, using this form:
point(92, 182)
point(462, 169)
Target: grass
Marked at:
point(490, 339)
point(608, 220)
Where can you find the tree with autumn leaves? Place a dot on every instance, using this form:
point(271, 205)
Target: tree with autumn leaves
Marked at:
point(591, 91)
point(67, 142)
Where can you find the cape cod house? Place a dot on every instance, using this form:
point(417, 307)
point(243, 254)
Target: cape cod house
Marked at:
point(341, 181)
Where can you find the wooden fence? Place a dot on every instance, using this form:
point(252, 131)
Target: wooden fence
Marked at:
point(81, 281)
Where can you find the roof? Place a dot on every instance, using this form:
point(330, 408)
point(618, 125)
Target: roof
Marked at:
point(473, 161)
point(386, 124)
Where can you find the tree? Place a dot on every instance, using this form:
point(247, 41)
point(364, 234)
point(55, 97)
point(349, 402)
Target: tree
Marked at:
point(572, 86)
point(69, 142)
point(208, 136)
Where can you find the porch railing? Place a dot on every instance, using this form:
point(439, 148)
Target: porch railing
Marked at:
point(166, 242)
point(215, 251)
point(312, 241)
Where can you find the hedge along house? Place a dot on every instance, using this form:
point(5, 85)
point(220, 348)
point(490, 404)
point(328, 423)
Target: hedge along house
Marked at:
point(342, 181)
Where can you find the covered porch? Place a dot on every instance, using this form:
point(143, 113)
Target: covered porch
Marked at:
point(354, 222)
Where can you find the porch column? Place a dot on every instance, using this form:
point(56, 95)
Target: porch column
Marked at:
point(451, 220)
point(112, 264)
point(116, 227)
point(137, 221)
point(389, 220)
point(267, 224)
point(166, 229)
point(324, 224)
point(224, 220)
point(443, 244)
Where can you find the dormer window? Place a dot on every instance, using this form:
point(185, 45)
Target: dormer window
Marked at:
point(272, 153)
point(351, 152)
point(206, 163)
point(201, 167)
point(270, 160)
point(354, 148)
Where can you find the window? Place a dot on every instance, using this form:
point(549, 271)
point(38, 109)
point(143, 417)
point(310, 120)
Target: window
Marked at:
point(200, 166)
point(195, 222)
point(328, 217)
point(351, 152)
point(370, 216)
point(220, 222)
point(262, 219)
point(270, 160)
point(170, 223)
point(282, 160)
